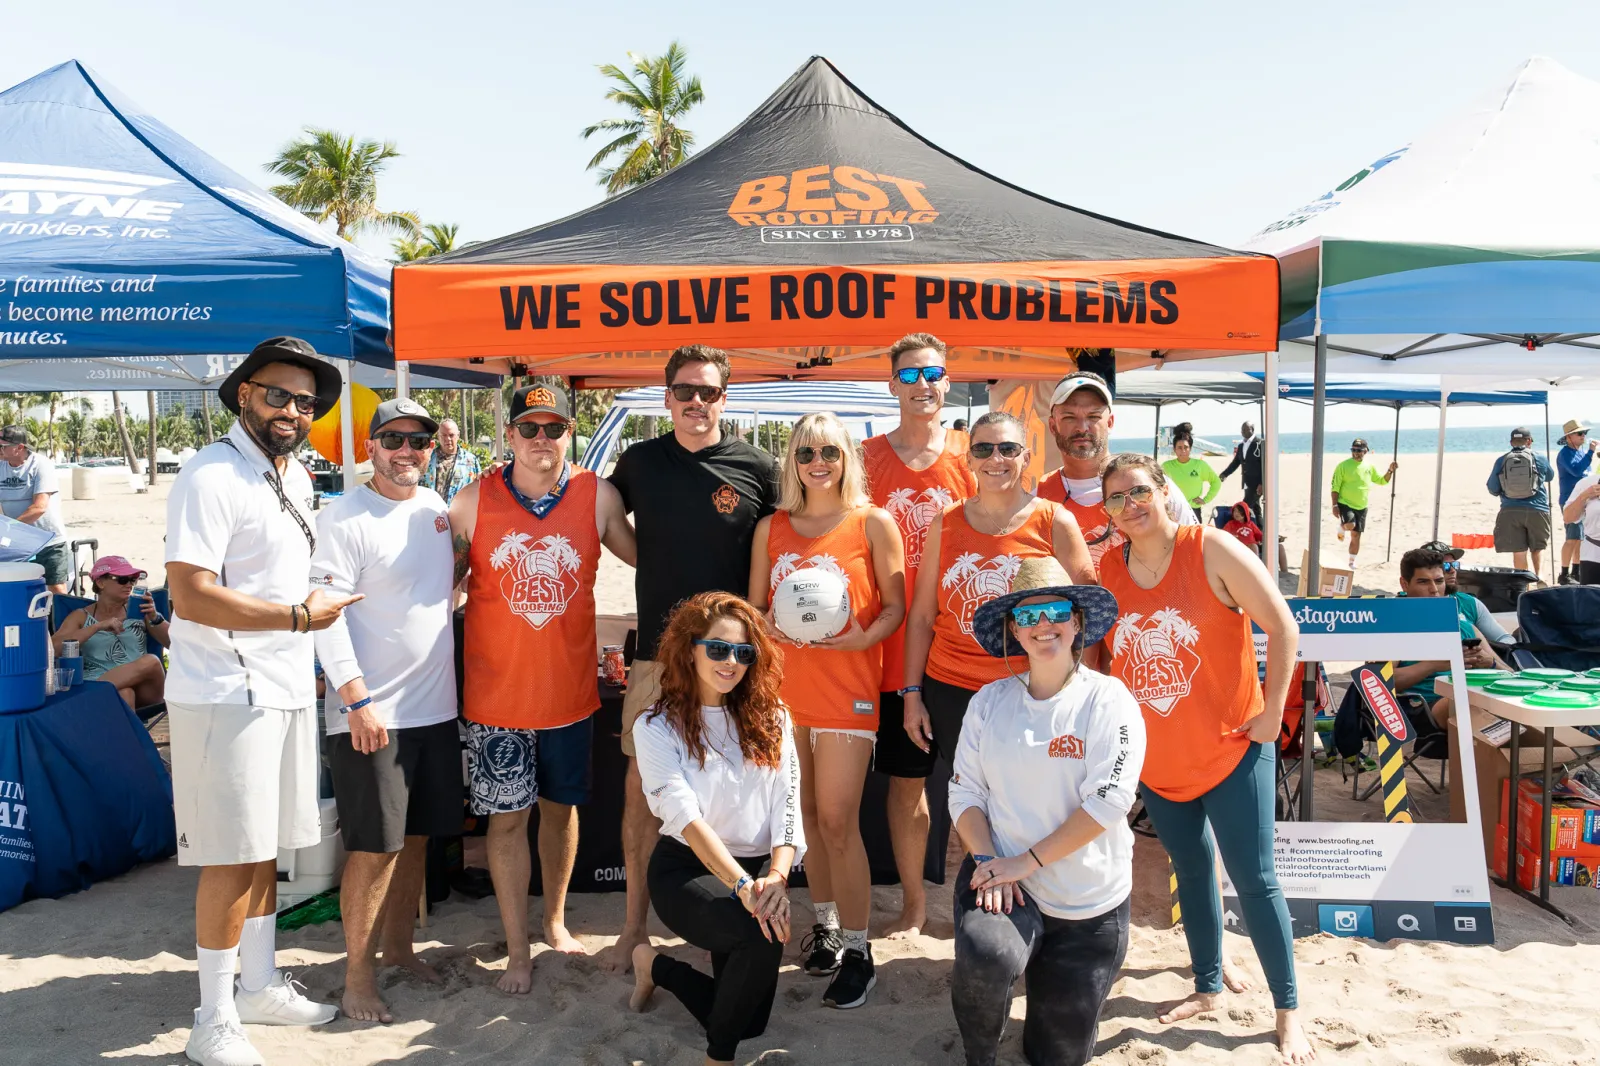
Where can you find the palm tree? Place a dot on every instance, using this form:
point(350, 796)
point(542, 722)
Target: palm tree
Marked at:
point(123, 437)
point(77, 434)
point(436, 238)
point(332, 176)
point(649, 142)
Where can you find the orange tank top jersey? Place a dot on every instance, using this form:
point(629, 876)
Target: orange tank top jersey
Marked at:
point(1190, 661)
point(826, 689)
point(1098, 532)
point(529, 657)
point(914, 498)
point(974, 568)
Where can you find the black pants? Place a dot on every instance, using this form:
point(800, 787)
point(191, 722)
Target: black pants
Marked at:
point(947, 709)
point(1069, 965)
point(1252, 500)
point(1588, 573)
point(735, 1001)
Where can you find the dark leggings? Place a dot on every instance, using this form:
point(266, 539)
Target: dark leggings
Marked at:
point(1240, 813)
point(1588, 573)
point(1069, 967)
point(733, 1004)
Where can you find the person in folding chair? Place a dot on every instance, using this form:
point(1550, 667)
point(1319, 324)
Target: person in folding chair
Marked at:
point(115, 648)
point(1422, 575)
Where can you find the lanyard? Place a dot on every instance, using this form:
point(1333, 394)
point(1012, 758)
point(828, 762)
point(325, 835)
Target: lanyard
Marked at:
point(284, 504)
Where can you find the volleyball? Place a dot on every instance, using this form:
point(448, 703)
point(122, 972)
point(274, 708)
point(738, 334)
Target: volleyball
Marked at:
point(811, 604)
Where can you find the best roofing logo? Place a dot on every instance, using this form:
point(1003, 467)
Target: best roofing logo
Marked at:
point(64, 193)
point(832, 203)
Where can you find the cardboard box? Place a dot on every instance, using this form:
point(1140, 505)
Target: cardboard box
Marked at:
point(1578, 871)
point(1492, 766)
point(1336, 581)
point(1574, 828)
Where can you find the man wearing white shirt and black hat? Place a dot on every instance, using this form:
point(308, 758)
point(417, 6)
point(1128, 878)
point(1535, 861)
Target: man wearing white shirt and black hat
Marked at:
point(395, 750)
point(240, 689)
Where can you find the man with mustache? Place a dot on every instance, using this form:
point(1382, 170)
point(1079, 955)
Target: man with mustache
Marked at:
point(241, 689)
point(527, 540)
point(1080, 420)
point(394, 747)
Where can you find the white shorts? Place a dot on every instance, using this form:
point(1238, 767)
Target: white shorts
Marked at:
point(244, 781)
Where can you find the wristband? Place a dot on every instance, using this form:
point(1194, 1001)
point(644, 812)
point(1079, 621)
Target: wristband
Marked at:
point(1036, 858)
point(358, 704)
point(780, 875)
point(739, 884)
point(901, 692)
point(305, 609)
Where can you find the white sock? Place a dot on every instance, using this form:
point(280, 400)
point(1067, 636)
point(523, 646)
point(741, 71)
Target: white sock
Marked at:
point(216, 980)
point(257, 951)
point(827, 914)
point(1352, 565)
point(855, 940)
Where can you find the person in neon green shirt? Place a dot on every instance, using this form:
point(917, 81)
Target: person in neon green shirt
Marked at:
point(1351, 481)
point(1193, 478)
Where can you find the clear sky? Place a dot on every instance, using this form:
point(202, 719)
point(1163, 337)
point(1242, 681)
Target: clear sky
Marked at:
point(1207, 120)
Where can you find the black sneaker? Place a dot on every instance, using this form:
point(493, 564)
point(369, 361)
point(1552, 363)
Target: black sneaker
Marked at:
point(821, 949)
point(855, 979)
point(1567, 578)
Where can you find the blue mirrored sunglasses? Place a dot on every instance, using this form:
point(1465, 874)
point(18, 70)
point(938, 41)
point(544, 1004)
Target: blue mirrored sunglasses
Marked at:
point(1450, 564)
point(719, 650)
point(1054, 612)
point(908, 375)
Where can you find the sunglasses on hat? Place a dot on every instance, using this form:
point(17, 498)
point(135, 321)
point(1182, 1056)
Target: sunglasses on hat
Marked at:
point(719, 650)
point(908, 375)
point(707, 393)
point(830, 454)
point(553, 430)
point(392, 440)
point(278, 398)
point(1008, 449)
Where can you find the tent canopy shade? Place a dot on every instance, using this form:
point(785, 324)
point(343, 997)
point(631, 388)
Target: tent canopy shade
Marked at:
point(1156, 388)
point(807, 240)
point(147, 373)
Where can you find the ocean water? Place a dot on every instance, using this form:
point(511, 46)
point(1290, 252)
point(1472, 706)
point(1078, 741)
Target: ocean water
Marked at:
point(1412, 441)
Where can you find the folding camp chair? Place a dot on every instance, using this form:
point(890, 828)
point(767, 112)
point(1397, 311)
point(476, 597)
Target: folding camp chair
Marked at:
point(1428, 740)
point(61, 606)
point(1560, 628)
point(80, 570)
point(1289, 746)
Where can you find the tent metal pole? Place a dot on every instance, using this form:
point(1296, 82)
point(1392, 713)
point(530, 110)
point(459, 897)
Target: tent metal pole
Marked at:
point(1269, 430)
point(572, 405)
point(1438, 467)
point(402, 379)
point(466, 421)
point(1155, 445)
point(347, 423)
point(1313, 570)
point(150, 398)
point(498, 450)
point(1549, 520)
point(1389, 551)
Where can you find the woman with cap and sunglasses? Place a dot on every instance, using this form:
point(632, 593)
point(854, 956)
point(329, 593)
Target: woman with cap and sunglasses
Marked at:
point(717, 759)
point(1045, 773)
point(115, 647)
point(1183, 646)
point(825, 519)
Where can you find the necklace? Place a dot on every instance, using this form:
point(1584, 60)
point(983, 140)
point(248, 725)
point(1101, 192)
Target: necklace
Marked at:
point(1153, 571)
point(997, 525)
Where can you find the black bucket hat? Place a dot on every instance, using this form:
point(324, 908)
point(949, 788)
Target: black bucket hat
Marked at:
point(295, 352)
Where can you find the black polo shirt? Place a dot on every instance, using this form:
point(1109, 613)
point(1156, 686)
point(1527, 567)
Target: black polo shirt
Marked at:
point(695, 514)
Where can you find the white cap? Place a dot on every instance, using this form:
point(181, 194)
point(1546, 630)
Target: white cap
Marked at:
point(1081, 380)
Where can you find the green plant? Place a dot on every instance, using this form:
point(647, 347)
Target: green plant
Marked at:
point(335, 177)
point(650, 141)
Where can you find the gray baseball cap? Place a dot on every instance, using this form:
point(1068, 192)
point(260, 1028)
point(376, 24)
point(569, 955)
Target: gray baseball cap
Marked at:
point(398, 408)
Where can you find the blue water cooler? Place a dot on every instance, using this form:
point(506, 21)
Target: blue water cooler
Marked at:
point(24, 636)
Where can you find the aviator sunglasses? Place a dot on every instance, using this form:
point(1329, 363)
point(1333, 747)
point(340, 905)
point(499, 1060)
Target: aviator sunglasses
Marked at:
point(1055, 612)
point(805, 453)
point(278, 398)
point(392, 440)
point(553, 430)
point(908, 375)
point(719, 650)
point(1118, 501)
point(1008, 449)
point(707, 393)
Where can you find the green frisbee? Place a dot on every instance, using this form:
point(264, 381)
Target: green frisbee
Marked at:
point(1515, 686)
point(1581, 684)
point(1546, 674)
point(1562, 699)
point(1595, 673)
point(1480, 678)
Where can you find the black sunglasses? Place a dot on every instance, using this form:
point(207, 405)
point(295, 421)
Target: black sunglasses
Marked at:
point(125, 579)
point(553, 430)
point(1008, 449)
point(278, 398)
point(392, 440)
point(707, 393)
point(908, 375)
point(830, 454)
point(719, 650)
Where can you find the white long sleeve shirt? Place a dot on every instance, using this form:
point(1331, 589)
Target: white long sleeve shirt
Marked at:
point(1028, 764)
point(751, 809)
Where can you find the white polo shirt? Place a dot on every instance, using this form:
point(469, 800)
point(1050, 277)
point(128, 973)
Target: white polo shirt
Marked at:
point(224, 516)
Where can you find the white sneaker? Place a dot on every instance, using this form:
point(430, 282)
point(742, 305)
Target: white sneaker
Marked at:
point(220, 1042)
point(281, 1003)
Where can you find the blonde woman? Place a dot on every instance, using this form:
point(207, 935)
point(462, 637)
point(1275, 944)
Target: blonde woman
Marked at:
point(826, 520)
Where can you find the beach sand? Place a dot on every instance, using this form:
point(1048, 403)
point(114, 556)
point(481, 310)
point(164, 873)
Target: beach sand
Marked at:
point(108, 974)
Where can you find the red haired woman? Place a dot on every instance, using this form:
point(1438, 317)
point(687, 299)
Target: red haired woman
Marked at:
point(718, 763)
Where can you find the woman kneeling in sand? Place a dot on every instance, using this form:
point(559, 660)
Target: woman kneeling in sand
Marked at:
point(1045, 772)
point(718, 764)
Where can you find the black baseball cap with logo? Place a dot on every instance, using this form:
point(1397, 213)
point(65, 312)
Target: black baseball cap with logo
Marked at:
point(1521, 433)
point(14, 435)
point(1359, 445)
point(1444, 549)
point(398, 408)
point(539, 400)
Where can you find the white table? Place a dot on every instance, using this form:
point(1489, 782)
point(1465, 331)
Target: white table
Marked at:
point(1549, 720)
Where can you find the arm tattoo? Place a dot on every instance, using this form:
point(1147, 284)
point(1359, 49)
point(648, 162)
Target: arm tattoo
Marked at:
point(463, 547)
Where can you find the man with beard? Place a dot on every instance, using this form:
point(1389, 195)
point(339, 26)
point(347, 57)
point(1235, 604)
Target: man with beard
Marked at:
point(914, 472)
point(393, 743)
point(241, 688)
point(1080, 420)
point(527, 540)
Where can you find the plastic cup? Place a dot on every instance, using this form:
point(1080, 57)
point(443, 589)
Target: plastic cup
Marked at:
point(63, 678)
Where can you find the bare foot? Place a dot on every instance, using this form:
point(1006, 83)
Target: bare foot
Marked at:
point(415, 966)
point(1295, 1048)
point(909, 924)
point(518, 978)
point(618, 958)
point(558, 937)
point(1234, 978)
point(1198, 1003)
point(361, 1001)
point(643, 987)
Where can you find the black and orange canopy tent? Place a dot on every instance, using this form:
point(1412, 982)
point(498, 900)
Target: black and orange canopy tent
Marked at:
point(808, 239)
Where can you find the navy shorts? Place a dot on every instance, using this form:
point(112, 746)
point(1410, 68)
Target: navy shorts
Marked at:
point(566, 764)
point(508, 769)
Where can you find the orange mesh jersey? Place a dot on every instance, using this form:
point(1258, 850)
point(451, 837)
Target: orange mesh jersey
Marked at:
point(1189, 660)
point(914, 498)
point(827, 689)
point(1098, 532)
point(974, 568)
point(529, 657)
